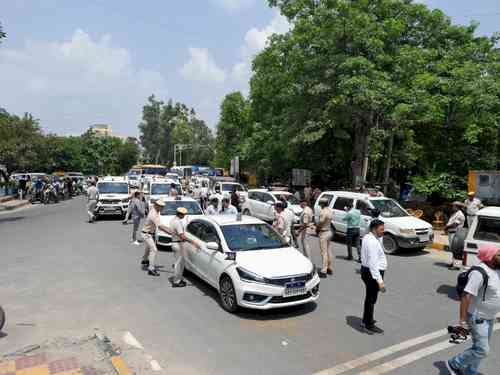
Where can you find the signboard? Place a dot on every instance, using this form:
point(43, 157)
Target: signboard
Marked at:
point(301, 177)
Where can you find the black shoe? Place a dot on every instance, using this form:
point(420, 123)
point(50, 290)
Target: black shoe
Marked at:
point(373, 328)
point(180, 284)
point(145, 262)
point(322, 275)
point(153, 273)
point(453, 370)
point(330, 272)
point(358, 260)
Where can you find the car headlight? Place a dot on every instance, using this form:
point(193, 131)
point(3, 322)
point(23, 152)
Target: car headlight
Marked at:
point(125, 200)
point(250, 276)
point(311, 275)
point(408, 232)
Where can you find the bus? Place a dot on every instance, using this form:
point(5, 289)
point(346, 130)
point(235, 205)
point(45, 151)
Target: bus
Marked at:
point(148, 169)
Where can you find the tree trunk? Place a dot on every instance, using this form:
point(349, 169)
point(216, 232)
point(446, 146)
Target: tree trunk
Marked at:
point(359, 151)
point(388, 165)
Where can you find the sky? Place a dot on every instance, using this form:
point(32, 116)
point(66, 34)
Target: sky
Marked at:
point(77, 63)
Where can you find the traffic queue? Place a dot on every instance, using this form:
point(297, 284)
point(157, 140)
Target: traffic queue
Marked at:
point(251, 262)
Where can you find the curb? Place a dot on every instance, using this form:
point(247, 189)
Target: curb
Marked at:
point(438, 246)
point(12, 205)
point(120, 365)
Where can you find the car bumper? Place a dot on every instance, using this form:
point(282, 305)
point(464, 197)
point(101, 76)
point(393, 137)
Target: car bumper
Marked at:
point(111, 209)
point(274, 295)
point(413, 242)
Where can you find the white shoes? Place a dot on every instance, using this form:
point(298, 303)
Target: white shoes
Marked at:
point(137, 243)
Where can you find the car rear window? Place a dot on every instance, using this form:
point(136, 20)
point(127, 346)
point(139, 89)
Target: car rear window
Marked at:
point(488, 229)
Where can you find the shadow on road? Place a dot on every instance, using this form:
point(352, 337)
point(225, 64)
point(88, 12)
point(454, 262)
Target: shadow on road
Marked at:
point(441, 366)
point(442, 264)
point(283, 313)
point(11, 219)
point(407, 253)
point(449, 291)
point(355, 323)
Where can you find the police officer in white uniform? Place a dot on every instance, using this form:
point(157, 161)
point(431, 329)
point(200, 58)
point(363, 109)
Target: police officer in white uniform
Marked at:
point(151, 223)
point(472, 205)
point(92, 197)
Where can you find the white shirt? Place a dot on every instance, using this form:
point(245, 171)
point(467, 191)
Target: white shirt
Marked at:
point(289, 218)
point(230, 210)
point(473, 206)
point(211, 210)
point(373, 255)
point(490, 307)
point(458, 219)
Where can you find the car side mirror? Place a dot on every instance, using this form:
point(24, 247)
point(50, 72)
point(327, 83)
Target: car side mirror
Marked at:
point(270, 202)
point(214, 246)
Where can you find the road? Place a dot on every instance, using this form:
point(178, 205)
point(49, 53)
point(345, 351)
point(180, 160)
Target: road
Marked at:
point(63, 277)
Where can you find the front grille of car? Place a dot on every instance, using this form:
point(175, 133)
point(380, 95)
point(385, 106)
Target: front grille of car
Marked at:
point(285, 280)
point(420, 232)
point(110, 201)
point(281, 299)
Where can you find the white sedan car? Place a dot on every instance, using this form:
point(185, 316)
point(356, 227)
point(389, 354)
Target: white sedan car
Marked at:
point(260, 203)
point(169, 211)
point(249, 263)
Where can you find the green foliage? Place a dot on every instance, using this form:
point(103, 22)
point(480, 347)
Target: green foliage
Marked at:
point(441, 186)
point(164, 125)
point(350, 75)
point(24, 147)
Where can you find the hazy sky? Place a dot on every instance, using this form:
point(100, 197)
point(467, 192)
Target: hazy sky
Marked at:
point(76, 63)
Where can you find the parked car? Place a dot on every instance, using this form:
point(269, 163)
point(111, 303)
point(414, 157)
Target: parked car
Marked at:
point(402, 231)
point(260, 204)
point(485, 229)
point(168, 212)
point(157, 188)
point(249, 263)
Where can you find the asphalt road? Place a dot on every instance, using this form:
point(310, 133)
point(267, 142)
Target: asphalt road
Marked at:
point(63, 277)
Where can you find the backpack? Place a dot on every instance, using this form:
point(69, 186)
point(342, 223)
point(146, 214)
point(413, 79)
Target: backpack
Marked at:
point(463, 279)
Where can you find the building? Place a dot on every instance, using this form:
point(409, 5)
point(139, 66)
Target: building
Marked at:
point(101, 130)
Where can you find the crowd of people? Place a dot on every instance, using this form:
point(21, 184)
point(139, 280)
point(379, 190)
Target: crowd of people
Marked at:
point(47, 189)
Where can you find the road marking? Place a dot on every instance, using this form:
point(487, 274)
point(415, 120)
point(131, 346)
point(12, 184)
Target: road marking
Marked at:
point(361, 361)
point(120, 366)
point(155, 365)
point(412, 357)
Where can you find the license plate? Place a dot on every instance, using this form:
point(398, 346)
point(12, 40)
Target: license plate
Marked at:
point(296, 288)
point(423, 238)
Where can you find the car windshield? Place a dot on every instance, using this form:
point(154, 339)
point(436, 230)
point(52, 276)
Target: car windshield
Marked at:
point(160, 189)
point(488, 229)
point(288, 197)
point(230, 187)
point(171, 207)
point(388, 208)
point(246, 237)
point(112, 187)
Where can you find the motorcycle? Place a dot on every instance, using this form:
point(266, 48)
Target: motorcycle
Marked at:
point(2, 318)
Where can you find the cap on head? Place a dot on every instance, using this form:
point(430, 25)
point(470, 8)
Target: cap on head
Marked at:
point(182, 210)
point(160, 202)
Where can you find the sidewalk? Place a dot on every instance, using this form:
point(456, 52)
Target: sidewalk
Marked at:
point(9, 203)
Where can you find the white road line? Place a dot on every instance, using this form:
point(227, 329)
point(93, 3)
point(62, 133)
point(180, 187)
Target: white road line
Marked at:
point(361, 361)
point(412, 357)
point(155, 365)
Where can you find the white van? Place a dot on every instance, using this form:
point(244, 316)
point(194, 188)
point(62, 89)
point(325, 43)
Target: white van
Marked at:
point(485, 229)
point(401, 229)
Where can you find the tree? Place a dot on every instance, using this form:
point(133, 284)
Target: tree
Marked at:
point(233, 128)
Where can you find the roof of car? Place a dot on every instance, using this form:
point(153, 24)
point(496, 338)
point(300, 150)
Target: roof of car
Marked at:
point(353, 194)
point(232, 219)
point(489, 211)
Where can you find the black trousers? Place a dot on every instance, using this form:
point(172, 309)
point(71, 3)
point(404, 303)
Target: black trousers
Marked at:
point(352, 239)
point(371, 295)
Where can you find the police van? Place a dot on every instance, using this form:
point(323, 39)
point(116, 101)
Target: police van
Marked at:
point(114, 196)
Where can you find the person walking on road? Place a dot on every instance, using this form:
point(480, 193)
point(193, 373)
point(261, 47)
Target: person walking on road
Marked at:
point(373, 268)
point(479, 306)
point(213, 207)
point(324, 232)
point(306, 227)
point(92, 198)
point(289, 221)
point(455, 222)
point(279, 223)
point(228, 208)
point(353, 219)
point(136, 211)
point(472, 206)
point(151, 223)
point(179, 239)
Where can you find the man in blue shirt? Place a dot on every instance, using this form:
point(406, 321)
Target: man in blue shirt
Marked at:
point(352, 218)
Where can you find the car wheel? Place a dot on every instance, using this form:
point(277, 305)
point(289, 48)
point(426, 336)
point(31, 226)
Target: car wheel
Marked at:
point(390, 244)
point(228, 294)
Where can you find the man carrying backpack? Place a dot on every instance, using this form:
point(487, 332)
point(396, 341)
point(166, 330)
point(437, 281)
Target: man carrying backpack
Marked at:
point(480, 303)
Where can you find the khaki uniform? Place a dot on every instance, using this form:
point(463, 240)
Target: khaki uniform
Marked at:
point(93, 196)
point(280, 225)
point(472, 207)
point(325, 235)
point(148, 232)
point(177, 227)
point(306, 222)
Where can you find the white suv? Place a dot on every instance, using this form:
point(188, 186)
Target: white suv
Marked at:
point(260, 204)
point(485, 229)
point(401, 229)
point(114, 197)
